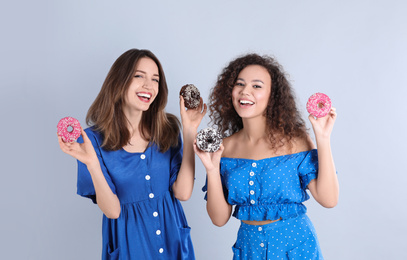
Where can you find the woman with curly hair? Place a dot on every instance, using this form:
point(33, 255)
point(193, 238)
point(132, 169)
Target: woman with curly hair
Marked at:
point(267, 162)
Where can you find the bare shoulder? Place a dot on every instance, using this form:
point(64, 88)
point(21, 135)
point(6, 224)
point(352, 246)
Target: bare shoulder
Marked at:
point(226, 140)
point(229, 143)
point(303, 144)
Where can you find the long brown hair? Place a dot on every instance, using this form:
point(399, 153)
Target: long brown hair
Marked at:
point(283, 119)
point(106, 112)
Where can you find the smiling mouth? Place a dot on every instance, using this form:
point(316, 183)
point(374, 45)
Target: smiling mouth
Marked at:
point(246, 102)
point(144, 96)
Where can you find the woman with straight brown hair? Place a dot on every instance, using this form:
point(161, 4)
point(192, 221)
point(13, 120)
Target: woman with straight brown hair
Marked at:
point(133, 164)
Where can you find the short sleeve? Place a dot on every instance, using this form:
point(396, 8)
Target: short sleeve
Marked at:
point(308, 168)
point(85, 186)
point(176, 160)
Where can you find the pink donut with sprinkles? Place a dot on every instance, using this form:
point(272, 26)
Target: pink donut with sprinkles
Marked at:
point(319, 105)
point(69, 129)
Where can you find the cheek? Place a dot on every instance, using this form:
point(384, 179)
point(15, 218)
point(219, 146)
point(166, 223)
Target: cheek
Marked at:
point(128, 96)
point(264, 96)
point(234, 100)
point(262, 100)
point(156, 92)
point(235, 94)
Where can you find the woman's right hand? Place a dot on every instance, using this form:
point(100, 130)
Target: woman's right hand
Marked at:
point(211, 161)
point(83, 152)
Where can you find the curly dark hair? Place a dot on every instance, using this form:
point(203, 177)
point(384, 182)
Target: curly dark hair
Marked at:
point(283, 119)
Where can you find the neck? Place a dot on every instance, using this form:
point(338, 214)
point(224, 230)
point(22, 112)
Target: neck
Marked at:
point(134, 119)
point(254, 129)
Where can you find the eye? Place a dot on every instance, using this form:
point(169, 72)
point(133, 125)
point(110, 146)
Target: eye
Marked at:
point(156, 80)
point(256, 86)
point(239, 84)
point(138, 76)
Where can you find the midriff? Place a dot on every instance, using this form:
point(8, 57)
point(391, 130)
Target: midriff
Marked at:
point(262, 222)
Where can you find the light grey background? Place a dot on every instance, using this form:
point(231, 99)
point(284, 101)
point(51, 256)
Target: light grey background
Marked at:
point(56, 54)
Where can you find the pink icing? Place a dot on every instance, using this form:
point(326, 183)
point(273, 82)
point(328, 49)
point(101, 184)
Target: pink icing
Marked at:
point(69, 136)
point(319, 105)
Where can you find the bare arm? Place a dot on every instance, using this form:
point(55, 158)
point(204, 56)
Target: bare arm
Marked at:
point(219, 210)
point(325, 189)
point(107, 201)
point(191, 119)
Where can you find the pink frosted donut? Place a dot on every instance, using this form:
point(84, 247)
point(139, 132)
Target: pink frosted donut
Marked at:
point(66, 134)
point(319, 105)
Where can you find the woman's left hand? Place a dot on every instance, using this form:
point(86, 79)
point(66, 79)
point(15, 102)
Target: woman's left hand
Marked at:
point(323, 126)
point(191, 118)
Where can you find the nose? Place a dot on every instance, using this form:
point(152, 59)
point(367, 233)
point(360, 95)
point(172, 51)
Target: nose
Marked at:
point(245, 90)
point(148, 84)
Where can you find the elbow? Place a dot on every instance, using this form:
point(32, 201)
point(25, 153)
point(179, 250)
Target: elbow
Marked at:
point(183, 197)
point(113, 214)
point(219, 223)
point(112, 210)
point(330, 204)
point(328, 200)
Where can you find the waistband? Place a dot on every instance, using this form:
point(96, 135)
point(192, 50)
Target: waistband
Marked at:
point(267, 227)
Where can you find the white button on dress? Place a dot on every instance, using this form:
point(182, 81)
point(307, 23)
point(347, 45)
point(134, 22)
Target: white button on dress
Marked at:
point(161, 250)
point(261, 244)
point(158, 232)
point(143, 156)
point(254, 164)
point(252, 192)
point(151, 195)
point(155, 214)
point(252, 202)
point(251, 173)
point(260, 228)
point(148, 177)
point(251, 183)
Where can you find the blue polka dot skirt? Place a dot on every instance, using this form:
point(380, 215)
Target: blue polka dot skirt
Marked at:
point(293, 238)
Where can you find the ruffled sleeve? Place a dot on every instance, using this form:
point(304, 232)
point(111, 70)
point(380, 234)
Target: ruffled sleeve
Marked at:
point(308, 168)
point(85, 186)
point(176, 160)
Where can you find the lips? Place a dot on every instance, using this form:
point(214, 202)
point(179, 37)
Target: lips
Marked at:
point(244, 102)
point(143, 96)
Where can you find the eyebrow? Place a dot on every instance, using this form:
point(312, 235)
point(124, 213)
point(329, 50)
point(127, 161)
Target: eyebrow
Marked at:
point(146, 73)
point(256, 80)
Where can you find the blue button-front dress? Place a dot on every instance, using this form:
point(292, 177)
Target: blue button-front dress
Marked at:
point(152, 224)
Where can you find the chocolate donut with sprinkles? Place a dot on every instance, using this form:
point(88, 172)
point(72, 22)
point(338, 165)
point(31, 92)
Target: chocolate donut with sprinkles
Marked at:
point(191, 96)
point(208, 140)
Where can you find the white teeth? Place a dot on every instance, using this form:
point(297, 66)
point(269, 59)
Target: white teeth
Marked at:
point(246, 102)
point(144, 95)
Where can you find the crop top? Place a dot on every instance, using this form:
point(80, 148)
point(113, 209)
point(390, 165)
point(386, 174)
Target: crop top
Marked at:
point(268, 189)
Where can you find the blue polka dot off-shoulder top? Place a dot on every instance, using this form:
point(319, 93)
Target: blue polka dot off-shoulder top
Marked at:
point(268, 189)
